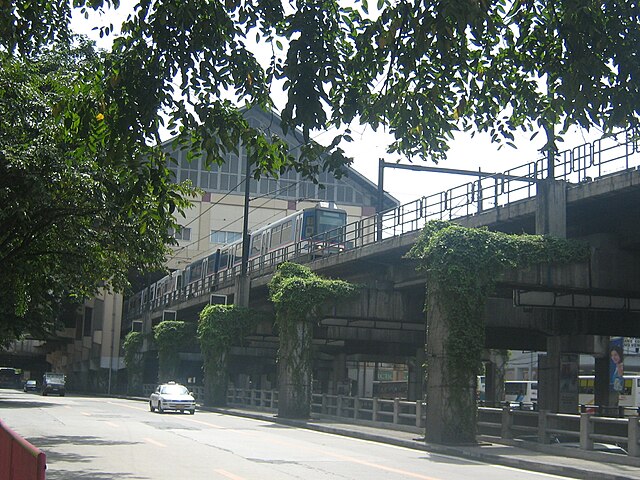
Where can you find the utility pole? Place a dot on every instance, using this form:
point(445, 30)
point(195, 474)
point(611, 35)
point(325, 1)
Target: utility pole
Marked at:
point(241, 294)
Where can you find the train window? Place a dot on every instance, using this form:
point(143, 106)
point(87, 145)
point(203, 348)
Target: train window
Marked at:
point(330, 220)
point(286, 233)
point(196, 272)
point(276, 235)
point(237, 253)
point(211, 264)
point(224, 259)
point(256, 245)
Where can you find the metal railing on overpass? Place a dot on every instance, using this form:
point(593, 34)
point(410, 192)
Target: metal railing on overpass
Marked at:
point(584, 163)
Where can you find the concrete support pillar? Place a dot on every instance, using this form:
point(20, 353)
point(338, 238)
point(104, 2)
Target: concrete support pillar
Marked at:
point(339, 375)
point(551, 208)
point(494, 378)
point(549, 377)
point(450, 419)
point(633, 435)
point(602, 391)
point(416, 376)
point(242, 286)
point(294, 372)
point(507, 423)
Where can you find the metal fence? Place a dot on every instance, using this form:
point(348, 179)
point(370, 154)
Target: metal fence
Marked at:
point(582, 431)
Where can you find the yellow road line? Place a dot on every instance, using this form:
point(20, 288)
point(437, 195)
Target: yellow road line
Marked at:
point(358, 461)
point(128, 406)
point(224, 473)
point(153, 442)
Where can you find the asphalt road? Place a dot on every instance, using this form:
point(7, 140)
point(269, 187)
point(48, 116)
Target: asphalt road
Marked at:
point(100, 438)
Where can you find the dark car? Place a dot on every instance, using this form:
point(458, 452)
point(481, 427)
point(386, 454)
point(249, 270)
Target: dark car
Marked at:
point(30, 386)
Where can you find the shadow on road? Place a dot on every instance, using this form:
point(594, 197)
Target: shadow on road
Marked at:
point(48, 446)
point(19, 403)
point(90, 475)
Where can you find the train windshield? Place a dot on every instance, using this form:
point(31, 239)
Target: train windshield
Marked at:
point(327, 221)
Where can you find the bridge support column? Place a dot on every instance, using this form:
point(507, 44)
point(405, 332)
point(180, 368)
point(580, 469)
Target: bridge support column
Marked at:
point(451, 404)
point(242, 286)
point(294, 371)
point(494, 379)
point(551, 208)
point(416, 376)
point(341, 384)
point(549, 377)
point(602, 391)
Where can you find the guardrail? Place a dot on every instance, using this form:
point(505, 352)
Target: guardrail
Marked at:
point(19, 460)
point(584, 430)
point(397, 412)
point(378, 410)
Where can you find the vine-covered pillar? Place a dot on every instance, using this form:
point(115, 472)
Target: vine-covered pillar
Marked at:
point(295, 371)
point(134, 376)
point(216, 381)
point(451, 409)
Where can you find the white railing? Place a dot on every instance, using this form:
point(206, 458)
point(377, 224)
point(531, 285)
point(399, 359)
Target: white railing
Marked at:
point(544, 427)
point(395, 412)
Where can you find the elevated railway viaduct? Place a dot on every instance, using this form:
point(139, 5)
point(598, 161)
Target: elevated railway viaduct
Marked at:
point(560, 310)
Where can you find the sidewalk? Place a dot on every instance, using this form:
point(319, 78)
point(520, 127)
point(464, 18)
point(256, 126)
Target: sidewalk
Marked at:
point(552, 459)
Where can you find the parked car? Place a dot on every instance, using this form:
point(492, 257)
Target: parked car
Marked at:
point(53, 383)
point(172, 396)
point(30, 386)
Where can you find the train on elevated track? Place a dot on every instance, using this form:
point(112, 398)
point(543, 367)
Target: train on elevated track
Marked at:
point(319, 227)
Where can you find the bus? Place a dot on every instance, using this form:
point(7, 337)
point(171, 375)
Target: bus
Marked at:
point(525, 391)
point(629, 397)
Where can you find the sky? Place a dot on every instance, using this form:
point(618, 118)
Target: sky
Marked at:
point(368, 146)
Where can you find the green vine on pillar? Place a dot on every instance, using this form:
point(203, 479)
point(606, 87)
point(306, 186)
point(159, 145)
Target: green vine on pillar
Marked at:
point(220, 327)
point(298, 295)
point(171, 336)
point(133, 360)
point(462, 267)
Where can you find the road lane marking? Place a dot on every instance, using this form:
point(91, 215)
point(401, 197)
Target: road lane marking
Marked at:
point(224, 473)
point(204, 423)
point(128, 406)
point(354, 460)
point(153, 442)
point(86, 414)
point(111, 424)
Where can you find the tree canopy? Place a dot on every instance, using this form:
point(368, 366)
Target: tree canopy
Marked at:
point(86, 193)
point(74, 218)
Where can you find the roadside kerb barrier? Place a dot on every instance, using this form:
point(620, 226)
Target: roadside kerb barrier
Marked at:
point(19, 460)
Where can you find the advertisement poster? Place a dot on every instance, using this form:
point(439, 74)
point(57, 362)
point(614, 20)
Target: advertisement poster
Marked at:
point(616, 365)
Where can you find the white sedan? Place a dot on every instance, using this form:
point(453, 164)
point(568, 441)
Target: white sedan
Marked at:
point(172, 396)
